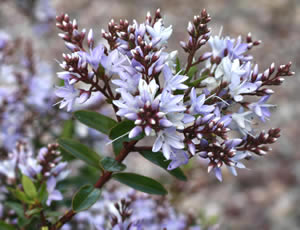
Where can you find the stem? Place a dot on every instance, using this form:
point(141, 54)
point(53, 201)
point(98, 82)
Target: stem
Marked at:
point(190, 61)
point(106, 176)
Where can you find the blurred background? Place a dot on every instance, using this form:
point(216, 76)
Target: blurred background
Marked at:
point(268, 195)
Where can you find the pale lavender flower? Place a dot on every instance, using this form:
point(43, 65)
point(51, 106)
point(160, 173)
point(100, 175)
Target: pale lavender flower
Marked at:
point(166, 140)
point(159, 33)
point(149, 111)
point(173, 82)
point(241, 122)
point(95, 56)
point(238, 87)
point(8, 168)
point(178, 157)
point(171, 59)
point(218, 44)
point(197, 104)
point(53, 194)
point(71, 77)
point(29, 167)
point(261, 109)
point(69, 94)
point(227, 70)
point(236, 49)
point(113, 63)
point(129, 80)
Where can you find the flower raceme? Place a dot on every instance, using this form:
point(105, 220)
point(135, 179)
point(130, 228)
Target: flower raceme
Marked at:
point(191, 109)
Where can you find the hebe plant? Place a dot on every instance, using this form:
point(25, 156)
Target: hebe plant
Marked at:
point(206, 107)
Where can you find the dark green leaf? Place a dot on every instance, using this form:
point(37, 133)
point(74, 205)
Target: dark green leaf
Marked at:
point(85, 198)
point(95, 120)
point(110, 164)
point(121, 129)
point(159, 159)
point(141, 183)
point(80, 151)
point(29, 187)
point(5, 226)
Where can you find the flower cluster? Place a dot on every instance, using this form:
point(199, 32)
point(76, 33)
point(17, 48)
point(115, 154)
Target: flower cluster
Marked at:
point(192, 111)
point(122, 209)
point(45, 168)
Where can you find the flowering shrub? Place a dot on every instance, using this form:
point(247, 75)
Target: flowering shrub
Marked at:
point(206, 107)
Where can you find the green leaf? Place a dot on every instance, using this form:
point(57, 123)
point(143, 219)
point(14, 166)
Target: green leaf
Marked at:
point(141, 183)
point(95, 120)
point(85, 198)
point(80, 151)
point(29, 187)
point(119, 130)
point(192, 72)
point(43, 194)
point(111, 165)
point(197, 81)
point(159, 159)
point(52, 213)
point(33, 211)
point(20, 195)
point(5, 226)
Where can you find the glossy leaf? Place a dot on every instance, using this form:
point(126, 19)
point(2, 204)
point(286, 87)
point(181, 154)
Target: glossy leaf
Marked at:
point(159, 159)
point(95, 120)
point(80, 151)
point(85, 198)
point(110, 164)
point(141, 183)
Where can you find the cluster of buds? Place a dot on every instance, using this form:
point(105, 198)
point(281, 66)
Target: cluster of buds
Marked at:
point(71, 34)
point(51, 161)
point(198, 33)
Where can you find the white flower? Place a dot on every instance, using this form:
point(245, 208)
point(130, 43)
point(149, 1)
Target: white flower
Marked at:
point(218, 45)
point(166, 139)
point(159, 33)
point(227, 69)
